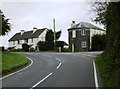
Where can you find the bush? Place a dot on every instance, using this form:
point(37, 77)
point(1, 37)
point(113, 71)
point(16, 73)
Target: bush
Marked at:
point(98, 42)
point(61, 44)
point(43, 46)
point(25, 47)
point(32, 49)
point(16, 50)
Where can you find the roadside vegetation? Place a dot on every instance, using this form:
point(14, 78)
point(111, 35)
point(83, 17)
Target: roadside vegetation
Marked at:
point(109, 61)
point(12, 62)
point(98, 42)
point(110, 77)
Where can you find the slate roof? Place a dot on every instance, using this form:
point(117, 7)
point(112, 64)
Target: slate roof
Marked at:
point(27, 34)
point(85, 25)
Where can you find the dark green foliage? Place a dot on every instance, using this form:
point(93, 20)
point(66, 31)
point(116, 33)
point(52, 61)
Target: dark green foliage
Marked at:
point(60, 44)
point(2, 48)
point(58, 34)
point(109, 15)
point(98, 42)
point(16, 50)
point(25, 47)
point(32, 49)
point(49, 40)
point(43, 46)
point(6, 26)
point(110, 77)
point(49, 36)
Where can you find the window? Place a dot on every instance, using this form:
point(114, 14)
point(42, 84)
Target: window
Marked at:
point(18, 41)
point(83, 32)
point(13, 42)
point(74, 33)
point(83, 44)
point(26, 41)
point(32, 40)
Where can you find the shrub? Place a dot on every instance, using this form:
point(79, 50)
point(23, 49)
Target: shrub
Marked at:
point(25, 47)
point(43, 46)
point(32, 49)
point(98, 42)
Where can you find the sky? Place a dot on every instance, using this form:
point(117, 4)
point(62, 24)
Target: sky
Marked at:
point(26, 15)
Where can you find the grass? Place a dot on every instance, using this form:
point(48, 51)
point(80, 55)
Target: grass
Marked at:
point(12, 62)
point(108, 74)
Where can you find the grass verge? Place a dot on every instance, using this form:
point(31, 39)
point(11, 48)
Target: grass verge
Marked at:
point(108, 73)
point(12, 62)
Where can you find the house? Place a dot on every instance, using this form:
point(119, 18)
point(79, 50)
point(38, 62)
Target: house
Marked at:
point(80, 36)
point(30, 37)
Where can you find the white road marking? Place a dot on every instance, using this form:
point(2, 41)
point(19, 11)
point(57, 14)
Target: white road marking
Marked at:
point(18, 70)
point(41, 81)
point(95, 76)
point(88, 55)
point(59, 63)
point(58, 59)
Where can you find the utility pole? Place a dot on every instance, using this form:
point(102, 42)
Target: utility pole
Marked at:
point(54, 34)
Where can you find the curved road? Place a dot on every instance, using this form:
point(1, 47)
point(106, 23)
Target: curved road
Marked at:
point(55, 70)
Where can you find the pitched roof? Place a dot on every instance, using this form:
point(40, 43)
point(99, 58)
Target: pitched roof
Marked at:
point(27, 34)
point(85, 25)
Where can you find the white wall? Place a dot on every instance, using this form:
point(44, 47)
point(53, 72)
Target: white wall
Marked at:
point(43, 34)
point(34, 43)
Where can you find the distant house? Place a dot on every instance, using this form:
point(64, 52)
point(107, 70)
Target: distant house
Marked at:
point(80, 36)
point(30, 37)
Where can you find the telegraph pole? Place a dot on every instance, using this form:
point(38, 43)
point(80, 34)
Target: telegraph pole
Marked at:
point(54, 34)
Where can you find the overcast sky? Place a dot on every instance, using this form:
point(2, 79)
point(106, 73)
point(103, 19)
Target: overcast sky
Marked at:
point(26, 15)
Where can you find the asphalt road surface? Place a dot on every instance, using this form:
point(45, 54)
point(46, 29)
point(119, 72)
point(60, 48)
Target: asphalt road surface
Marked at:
point(55, 70)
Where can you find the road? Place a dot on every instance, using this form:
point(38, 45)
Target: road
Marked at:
point(55, 70)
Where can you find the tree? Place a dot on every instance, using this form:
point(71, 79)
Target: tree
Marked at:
point(108, 13)
point(61, 44)
point(50, 38)
point(58, 34)
point(6, 26)
point(25, 47)
point(98, 42)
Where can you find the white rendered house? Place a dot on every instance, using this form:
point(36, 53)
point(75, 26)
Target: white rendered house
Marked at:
point(30, 37)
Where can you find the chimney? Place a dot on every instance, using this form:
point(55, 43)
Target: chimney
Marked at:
point(34, 29)
point(22, 31)
point(73, 23)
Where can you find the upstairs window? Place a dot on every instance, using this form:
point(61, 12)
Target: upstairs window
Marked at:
point(83, 32)
point(83, 44)
point(73, 33)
